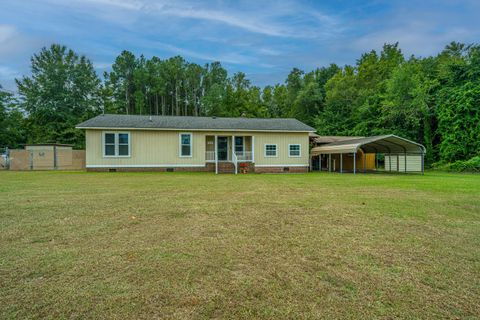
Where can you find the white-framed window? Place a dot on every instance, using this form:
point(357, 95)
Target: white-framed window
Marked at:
point(116, 144)
point(239, 145)
point(270, 150)
point(294, 150)
point(185, 144)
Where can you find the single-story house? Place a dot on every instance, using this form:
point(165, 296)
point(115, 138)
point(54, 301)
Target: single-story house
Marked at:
point(172, 143)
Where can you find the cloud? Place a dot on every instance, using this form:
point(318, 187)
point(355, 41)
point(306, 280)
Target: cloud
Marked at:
point(234, 20)
point(422, 31)
point(128, 5)
point(6, 33)
point(290, 20)
point(229, 57)
point(8, 73)
point(102, 65)
point(13, 43)
point(412, 40)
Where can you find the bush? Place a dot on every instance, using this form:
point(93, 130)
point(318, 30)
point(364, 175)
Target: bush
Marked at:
point(471, 165)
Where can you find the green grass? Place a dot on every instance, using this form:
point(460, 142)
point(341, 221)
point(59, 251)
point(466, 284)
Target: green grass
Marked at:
point(173, 245)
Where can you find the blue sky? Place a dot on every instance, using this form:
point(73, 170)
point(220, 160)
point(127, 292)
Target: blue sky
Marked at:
point(264, 39)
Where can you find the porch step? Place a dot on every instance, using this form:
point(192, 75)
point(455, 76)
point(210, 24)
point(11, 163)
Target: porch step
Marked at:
point(226, 167)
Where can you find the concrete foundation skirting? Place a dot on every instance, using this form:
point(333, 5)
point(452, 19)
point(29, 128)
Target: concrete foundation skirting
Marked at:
point(209, 167)
point(285, 169)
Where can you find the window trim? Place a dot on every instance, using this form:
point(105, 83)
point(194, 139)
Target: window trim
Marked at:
point(117, 143)
point(299, 150)
point(180, 144)
point(265, 150)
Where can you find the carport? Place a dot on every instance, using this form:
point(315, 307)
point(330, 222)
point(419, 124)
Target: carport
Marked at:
point(401, 155)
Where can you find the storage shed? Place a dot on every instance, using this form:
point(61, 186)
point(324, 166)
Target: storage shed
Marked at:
point(401, 155)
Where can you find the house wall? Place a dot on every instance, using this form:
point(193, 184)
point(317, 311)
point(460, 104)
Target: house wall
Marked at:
point(156, 148)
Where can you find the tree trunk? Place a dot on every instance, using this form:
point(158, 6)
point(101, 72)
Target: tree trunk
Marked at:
point(177, 107)
point(186, 103)
point(195, 102)
point(126, 100)
point(163, 105)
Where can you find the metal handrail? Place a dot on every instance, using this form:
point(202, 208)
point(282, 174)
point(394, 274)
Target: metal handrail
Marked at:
point(244, 156)
point(210, 155)
point(235, 161)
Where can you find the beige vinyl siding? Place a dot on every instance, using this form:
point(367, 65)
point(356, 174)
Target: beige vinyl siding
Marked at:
point(148, 148)
point(161, 148)
point(414, 163)
point(282, 140)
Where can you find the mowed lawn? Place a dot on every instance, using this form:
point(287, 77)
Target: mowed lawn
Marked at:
point(196, 245)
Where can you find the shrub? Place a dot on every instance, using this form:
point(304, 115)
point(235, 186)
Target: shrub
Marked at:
point(471, 165)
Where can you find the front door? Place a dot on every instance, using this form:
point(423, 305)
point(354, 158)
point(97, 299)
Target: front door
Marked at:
point(222, 148)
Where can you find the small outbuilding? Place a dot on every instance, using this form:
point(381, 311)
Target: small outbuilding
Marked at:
point(353, 154)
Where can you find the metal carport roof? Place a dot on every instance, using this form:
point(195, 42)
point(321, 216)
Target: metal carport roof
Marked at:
point(389, 144)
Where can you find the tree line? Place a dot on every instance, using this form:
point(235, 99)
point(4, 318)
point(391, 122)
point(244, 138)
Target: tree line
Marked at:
point(433, 100)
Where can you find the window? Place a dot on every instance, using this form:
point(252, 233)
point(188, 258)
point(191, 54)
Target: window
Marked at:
point(110, 144)
point(123, 144)
point(294, 150)
point(270, 150)
point(239, 145)
point(185, 145)
point(116, 144)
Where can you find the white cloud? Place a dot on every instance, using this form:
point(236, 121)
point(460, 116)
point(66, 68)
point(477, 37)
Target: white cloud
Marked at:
point(13, 43)
point(412, 40)
point(129, 5)
point(102, 65)
point(266, 18)
point(422, 30)
point(8, 73)
point(7, 32)
point(232, 58)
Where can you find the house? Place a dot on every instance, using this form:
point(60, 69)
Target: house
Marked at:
point(171, 143)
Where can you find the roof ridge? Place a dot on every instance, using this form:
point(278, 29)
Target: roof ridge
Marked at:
point(195, 117)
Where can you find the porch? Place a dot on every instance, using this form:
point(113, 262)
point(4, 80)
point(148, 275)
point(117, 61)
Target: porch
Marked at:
point(229, 149)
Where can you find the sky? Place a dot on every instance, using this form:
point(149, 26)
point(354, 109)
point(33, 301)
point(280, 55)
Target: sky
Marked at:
point(264, 39)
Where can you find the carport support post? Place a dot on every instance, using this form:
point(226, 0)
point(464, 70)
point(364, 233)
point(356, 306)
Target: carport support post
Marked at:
point(398, 163)
point(329, 162)
point(354, 162)
point(341, 162)
point(423, 164)
point(376, 161)
point(364, 162)
point(405, 159)
point(216, 155)
point(320, 162)
point(55, 158)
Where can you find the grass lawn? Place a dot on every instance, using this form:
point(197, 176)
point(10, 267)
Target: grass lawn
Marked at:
point(196, 245)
